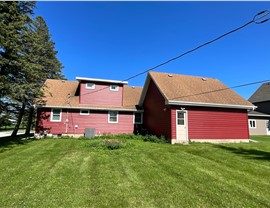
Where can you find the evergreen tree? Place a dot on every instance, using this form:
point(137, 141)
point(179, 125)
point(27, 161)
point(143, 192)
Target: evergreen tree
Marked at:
point(27, 59)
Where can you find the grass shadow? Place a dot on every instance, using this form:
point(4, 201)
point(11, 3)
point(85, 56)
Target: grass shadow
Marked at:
point(247, 153)
point(8, 142)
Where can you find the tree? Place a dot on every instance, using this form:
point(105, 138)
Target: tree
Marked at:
point(27, 59)
point(44, 57)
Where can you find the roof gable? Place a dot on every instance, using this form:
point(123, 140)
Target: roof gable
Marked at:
point(261, 94)
point(192, 90)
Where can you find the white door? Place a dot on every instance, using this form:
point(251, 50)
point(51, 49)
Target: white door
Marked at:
point(268, 127)
point(181, 126)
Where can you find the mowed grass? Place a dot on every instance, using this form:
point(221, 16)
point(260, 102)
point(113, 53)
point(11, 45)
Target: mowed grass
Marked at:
point(76, 173)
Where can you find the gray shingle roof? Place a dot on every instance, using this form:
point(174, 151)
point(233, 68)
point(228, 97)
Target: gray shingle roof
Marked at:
point(261, 94)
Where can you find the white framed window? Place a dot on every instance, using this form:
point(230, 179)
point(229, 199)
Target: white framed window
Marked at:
point(56, 114)
point(84, 112)
point(90, 85)
point(114, 87)
point(138, 118)
point(252, 123)
point(113, 117)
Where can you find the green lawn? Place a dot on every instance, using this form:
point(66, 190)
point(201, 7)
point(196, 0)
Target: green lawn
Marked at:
point(79, 173)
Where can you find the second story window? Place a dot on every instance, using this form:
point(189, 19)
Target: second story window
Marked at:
point(90, 86)
point(84, 112)
point(114, 87)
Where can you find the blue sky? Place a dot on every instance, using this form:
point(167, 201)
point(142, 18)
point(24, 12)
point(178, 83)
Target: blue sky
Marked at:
point(116, 40)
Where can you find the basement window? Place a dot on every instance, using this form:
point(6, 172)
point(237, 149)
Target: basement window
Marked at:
point(56, 115)
point(252, 123)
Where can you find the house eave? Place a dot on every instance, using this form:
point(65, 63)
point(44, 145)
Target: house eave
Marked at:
point(214, 105)
point(93, 108)
point(101, 80)
point(256, 115)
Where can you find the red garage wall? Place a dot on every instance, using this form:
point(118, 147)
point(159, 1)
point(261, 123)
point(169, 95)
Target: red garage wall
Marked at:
point(156, 117)
point(96, 119)
point(214, 123)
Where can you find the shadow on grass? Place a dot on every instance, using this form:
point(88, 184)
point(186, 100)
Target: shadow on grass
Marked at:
point(8, 142)
point(247, 153)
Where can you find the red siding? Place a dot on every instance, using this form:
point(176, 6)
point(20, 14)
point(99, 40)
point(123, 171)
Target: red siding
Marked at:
point(96, 119)
point(215, 123)
point(155, 119)
point(104, 97)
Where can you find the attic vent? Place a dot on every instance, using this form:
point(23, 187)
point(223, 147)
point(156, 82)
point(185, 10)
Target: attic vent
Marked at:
point(204, 79)
point(169, 75)
point(63, 81)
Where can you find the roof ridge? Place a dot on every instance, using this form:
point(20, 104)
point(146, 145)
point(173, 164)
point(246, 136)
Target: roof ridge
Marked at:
point(185, 75)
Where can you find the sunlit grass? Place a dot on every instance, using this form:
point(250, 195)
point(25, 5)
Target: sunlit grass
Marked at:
point(79, 173)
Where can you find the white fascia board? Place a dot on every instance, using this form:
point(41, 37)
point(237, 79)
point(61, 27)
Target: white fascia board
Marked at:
point(101, 80)
point(256, 115)
point(214, 105)
point(93, 108)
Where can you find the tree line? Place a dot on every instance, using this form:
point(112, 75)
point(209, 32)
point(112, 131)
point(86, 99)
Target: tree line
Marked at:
point(27, 59)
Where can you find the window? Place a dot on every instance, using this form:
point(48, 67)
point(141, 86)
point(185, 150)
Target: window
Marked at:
point(84, 112)
point(90, 86)
point(114, 87)
point(113, 117)
point(138, 118)
point(56, 115)
point(180, 118)
point(252, 123)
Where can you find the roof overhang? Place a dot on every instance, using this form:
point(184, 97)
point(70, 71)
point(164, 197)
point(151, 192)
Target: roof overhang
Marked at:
point(101, 80)
point(214, 105)
point(94, 108)
point(259, 115)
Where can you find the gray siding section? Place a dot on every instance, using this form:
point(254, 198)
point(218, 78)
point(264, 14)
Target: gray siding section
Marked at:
point(261, 126)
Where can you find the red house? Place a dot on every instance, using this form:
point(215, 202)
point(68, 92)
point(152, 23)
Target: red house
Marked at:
point(103, 106)
point(188, 108)
point(182, 108)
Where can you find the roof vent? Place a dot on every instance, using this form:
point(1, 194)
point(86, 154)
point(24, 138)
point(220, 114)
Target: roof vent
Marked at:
point(133, 87)
point(169, 75)
point(204, 79)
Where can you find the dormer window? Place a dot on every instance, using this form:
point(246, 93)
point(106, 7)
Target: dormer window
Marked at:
point(114, 87)
point(90, 86)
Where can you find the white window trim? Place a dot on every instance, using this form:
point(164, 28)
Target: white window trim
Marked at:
point(252, 127)
point(117, 88)
point(60, 119)
point(84, 114)
point(117, 113)
point(91, 88)
point(137, 122)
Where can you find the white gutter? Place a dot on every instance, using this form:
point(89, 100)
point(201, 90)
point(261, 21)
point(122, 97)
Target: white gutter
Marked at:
point(256, 115)
point(101, 80)
point(214, 105)
point(92, 108)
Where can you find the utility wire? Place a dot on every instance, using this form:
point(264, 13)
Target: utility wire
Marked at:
point(222, 89)
point(257, 19)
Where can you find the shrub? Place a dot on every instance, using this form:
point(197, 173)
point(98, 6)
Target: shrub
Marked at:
point(112, 144)
point(155, 139)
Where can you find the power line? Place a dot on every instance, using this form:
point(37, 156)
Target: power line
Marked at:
point(222, 89)
point(257, 19)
